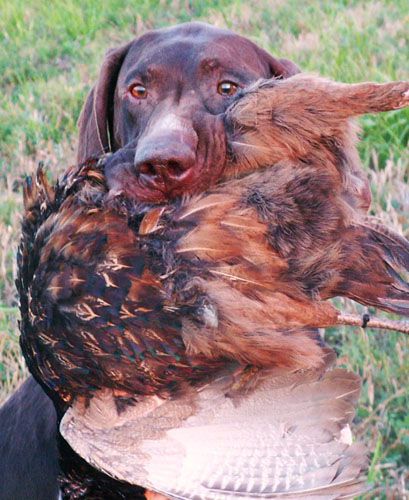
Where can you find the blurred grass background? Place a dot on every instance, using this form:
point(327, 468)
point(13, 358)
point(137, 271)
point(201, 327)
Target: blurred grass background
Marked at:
point(50, 53)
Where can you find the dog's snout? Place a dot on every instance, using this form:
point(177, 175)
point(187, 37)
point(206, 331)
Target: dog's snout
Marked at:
point(165, 157)
point(164, 165)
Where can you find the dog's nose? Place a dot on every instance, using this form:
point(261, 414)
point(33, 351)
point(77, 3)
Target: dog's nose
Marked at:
point(164, 166)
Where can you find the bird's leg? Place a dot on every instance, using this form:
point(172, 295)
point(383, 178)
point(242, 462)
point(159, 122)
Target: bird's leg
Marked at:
point(373, 322)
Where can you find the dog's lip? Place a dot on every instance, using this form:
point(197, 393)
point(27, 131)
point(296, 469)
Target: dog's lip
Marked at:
point(146, 188)
point(157, 193)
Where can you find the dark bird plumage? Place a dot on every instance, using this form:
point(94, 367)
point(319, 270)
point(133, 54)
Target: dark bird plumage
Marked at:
point(159, 303)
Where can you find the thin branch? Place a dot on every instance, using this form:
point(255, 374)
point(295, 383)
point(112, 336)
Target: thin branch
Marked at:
point(373, 322)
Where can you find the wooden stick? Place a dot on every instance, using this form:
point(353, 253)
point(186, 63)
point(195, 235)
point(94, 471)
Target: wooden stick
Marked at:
point(373, 322)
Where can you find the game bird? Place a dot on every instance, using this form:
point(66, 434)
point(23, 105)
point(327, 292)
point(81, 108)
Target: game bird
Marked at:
point(180, 341)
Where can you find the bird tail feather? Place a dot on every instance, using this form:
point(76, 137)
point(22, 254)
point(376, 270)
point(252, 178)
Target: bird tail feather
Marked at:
point(289, 437)
point(377, 273)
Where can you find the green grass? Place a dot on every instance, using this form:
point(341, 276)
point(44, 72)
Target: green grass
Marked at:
point(49, 56)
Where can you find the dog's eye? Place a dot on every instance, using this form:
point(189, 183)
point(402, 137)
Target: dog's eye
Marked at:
point(227, 88)
point(138, 91)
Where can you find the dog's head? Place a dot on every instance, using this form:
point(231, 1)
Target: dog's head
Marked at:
point(157, 106)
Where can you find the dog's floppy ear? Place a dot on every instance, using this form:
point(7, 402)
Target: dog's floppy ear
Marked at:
point(283, 67)
point(95, 121)
point(279, 67)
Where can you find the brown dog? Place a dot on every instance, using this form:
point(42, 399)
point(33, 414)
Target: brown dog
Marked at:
point(158, 101)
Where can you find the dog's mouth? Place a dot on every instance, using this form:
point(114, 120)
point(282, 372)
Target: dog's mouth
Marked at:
point(169, 180)
point(159, 183)
point(123, 181)
point(163, 165)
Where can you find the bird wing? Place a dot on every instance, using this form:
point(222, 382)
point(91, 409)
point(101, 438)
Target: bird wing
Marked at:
point(289, 437)
point(94, 311)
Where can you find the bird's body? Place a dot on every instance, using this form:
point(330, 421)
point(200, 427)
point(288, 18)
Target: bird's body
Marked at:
point(240, 273)
point(165, 301)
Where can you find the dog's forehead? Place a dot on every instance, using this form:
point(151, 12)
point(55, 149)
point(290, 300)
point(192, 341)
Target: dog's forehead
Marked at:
point(191, 47)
